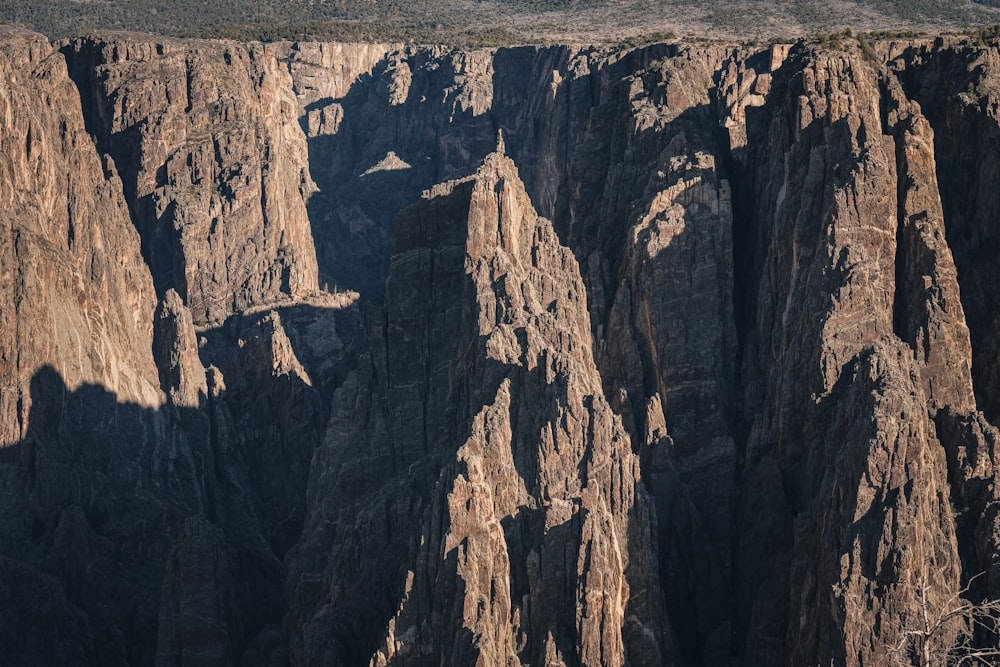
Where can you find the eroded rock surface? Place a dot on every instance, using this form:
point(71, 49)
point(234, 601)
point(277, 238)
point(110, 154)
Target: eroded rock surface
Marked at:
point(392, 355)
point(485, 421)
point(206, 139)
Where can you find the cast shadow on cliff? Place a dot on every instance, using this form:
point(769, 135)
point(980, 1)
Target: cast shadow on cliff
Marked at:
point(102, 490)
point(86, 523)
point(280, 368)
point(662, 328)
point(954, 95)
point(327, 336)
point(543, 100)
point(121, 158)
point(438, 138)
point(360, 188)
point(699, 582)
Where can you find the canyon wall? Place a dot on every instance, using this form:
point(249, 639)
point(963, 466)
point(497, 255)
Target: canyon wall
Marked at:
point(392, 355)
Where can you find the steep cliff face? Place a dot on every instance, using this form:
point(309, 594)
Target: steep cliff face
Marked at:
point(856, 339)
point(956, 84)
point(650, 215)
point(379, 354)
point(206, 139)
point(485, 421)
point(77, 334)
point(77, 296)
point(115, 435)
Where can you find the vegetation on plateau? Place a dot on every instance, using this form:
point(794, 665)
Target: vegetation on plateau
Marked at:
point(480, 23)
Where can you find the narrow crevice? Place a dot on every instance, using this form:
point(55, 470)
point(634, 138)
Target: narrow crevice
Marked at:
point(94, 121)
point(900, 294)
point(952, 435)
point(746, 276)
point(906, 260)
point(188, 84)
point(751, 185)
point(745, 282)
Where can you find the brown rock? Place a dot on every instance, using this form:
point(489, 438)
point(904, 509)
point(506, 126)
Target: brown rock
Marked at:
point(957, 87)
point(176, 351)
point(71, 270)
point(534, 542)
point(668, 342)
point(882, 548)
point(215, 165)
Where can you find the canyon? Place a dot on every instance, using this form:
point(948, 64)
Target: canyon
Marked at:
point(381, 354)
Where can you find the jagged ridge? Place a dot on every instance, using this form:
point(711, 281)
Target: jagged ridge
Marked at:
point(732, 404)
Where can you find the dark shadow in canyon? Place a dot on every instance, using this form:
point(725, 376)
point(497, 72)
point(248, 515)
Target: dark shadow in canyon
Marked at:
point(94, 498)
point(661, 327)
point(103, 489)
point(949, 87)
point(353, 213)
point(121, 153)
point(280, 367)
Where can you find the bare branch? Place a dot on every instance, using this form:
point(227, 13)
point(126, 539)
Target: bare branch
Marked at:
point(945, 632)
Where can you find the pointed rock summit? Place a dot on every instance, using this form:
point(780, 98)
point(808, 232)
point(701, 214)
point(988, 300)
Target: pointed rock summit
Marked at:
point(489, 416)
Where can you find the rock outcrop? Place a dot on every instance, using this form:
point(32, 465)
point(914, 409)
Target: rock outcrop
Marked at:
point(485, 420)
point(392, 355)
point(175, 348)
point(206, 138)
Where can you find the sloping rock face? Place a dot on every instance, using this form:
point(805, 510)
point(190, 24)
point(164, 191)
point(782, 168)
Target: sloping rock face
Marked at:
point(387, 355)
point(198, 624)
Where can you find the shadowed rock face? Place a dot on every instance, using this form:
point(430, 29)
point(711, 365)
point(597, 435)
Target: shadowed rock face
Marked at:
point(517, 529)
point(386, 355)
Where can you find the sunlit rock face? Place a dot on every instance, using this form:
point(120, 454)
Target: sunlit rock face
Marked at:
point(365, 354)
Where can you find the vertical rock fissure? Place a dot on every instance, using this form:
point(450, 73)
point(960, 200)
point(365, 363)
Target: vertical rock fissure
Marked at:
point(745, 283)
point(188, 84)
point(955, 87)
point(899, 314)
